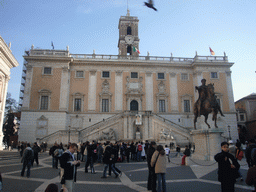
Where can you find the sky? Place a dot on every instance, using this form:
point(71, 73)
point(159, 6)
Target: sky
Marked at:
point(180, 27)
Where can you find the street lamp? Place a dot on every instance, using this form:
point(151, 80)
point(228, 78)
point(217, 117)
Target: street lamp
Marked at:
point(68, 133)
point(229, 132)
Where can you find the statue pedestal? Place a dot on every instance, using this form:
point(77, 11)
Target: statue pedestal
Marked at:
point(137, 135)
point(207, 143)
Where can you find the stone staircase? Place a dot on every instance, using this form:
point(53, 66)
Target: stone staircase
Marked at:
point(117, 123)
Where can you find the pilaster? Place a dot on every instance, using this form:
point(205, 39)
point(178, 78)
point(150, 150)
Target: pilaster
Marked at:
point(92, 90)
point(230, 92)
point(174, 93)
point(149, 91)
point(119, 91)
point(64, 89)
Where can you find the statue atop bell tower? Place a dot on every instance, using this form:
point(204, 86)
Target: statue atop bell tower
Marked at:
point(128, 35)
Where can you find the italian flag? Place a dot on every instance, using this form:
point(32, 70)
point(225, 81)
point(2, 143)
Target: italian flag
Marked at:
point(211, 51)
point(136, 50)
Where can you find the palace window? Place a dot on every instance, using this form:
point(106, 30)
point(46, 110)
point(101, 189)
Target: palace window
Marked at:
point(47, 70)
point(160, 75)
point(79, 74)
point(186, 106)
point(105, 105)
point(77, 105)
point(44, 98)
point(77, 99)
point(241, 117)
point(134, 75)
point(161, 105)
point(105, 74)
point(129, 50)
point(44, 103)
point(214, 75)
point(184, 76)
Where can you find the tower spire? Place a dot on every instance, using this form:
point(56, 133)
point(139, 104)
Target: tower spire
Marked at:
point(128, 11)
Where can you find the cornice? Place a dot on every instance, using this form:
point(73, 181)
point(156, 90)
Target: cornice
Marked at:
point(7, 54)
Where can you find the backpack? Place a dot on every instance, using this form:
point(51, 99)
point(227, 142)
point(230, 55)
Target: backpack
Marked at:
point(139, 147)
point(240, 155)
point(56, 153)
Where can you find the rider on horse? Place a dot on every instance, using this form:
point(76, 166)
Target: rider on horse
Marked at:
point(202, 90)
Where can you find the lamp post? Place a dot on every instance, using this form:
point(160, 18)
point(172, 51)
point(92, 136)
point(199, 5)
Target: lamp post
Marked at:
point(229, 132)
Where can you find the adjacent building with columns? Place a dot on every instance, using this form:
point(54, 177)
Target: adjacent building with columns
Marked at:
point(7, 61)
point(78, 97)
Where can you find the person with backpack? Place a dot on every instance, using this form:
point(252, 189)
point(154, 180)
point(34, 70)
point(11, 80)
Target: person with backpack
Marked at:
point(139, 150)
point(57, 154)
point(51, 152)
point(27, 159)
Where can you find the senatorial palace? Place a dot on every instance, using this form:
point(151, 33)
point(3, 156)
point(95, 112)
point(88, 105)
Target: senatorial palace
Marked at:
point(125, 97)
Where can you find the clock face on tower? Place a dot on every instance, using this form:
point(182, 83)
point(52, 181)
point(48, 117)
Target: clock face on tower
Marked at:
point(129, 39)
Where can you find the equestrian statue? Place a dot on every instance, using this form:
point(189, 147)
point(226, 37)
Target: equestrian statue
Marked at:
point(206, 103)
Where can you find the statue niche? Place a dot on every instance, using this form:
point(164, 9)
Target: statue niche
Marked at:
point(206, 103)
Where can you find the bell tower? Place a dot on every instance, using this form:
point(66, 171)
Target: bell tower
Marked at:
point(128, 35)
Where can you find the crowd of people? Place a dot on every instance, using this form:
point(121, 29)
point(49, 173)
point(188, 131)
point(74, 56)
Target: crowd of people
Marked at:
point(70, 156)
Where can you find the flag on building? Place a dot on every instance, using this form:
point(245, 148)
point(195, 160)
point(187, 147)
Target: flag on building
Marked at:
point(212, 52)
point(52, 46)
point(136, 50)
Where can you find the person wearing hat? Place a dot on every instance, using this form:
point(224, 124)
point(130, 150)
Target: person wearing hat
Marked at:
point(151, 185)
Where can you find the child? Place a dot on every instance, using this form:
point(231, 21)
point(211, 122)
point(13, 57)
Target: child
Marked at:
point(227, 168)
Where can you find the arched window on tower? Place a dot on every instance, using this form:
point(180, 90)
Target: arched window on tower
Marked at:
point(129, 30)
point(129, 49)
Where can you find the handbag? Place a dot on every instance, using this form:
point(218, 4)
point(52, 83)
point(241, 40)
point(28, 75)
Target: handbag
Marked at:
point(156, 160)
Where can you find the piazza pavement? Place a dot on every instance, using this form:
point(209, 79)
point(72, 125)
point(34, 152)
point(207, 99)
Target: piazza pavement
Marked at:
point(197, 176)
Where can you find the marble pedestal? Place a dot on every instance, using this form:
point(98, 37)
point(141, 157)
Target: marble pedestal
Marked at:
point(207, 143)
point(137, 135)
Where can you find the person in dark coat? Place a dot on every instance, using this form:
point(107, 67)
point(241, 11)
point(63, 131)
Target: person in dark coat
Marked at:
point(227, 168)
point(151, 185)
point(36, 150)
point(27, 159)
point(51, 152)
point(68, 167)
point(108, 160)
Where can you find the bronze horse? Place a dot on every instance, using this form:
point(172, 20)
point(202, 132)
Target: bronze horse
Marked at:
point(208, 105)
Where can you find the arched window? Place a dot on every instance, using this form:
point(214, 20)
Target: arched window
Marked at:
point(129, 30)
point(129, 50)
point(134, 106)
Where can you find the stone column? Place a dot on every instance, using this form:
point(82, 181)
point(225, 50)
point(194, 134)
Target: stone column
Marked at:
point(118, 91)
point(174, 93)
point(125, 119)
point(64, 89)
point(27, 89)
point(149, 91)
point(230, 92)
point(207, 143)
point(4, 91)
point(92, 90)
point(146, 124)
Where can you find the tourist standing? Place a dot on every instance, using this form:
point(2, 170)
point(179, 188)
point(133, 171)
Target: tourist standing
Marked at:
point(186, 154)
point(227, 168)
point(158, 162)
point(167, 152)
point(27, 159)
point(151, 185)
point(36, 150)
point(69, 167)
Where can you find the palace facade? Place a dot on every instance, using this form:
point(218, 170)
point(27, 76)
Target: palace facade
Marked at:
point(79, 97)
point(7, 61)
